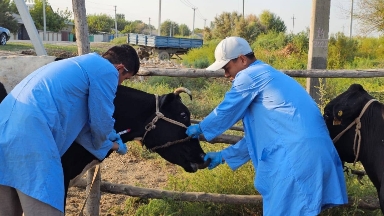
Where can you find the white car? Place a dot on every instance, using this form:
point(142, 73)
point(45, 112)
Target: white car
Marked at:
point(5, 34)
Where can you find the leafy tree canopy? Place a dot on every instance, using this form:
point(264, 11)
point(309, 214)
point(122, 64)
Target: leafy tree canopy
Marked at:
point(370, 14)
point(6, 18)
point(55, 20)
point(272, 22)
point(100, 23)
point(184, 30)
point(169, 27)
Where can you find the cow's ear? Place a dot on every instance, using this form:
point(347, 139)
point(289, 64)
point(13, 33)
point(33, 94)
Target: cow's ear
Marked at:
point(168, 98)
point(356, 87)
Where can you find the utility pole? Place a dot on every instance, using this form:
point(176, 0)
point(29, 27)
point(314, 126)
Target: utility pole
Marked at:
point(149, 25)
point(243, 8)
point(45, 22)
point(350, 27)
point(318, 43)
point(158, 28)
point(193, 26)
point(293, 22)
point(205, 20)
point(115, 23)
point(170, 30)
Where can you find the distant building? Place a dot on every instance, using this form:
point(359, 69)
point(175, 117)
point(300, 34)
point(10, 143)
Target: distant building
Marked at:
point(30, 3)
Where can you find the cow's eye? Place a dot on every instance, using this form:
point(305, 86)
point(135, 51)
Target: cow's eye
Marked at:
point(183, 115)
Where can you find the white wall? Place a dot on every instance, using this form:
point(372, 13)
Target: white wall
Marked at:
point(14, 68)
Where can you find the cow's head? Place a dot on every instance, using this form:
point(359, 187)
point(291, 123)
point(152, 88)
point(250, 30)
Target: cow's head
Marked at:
point(340, 112)
point(141, 112)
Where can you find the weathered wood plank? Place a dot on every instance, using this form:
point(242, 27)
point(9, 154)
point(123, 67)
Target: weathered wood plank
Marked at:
point(181, 196)
point(315, 73)
point(200, 196)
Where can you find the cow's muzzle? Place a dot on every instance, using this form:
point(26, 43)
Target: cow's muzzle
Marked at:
point(196, 166)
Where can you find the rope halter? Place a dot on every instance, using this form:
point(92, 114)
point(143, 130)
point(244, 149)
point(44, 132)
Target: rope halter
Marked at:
point(356, 150)
point(152, 125)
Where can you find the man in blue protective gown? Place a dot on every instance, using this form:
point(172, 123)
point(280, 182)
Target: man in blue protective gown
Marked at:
point(59, 103)
point(298, 170)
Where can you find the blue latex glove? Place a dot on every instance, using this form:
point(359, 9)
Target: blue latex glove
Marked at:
point(216, 159)
point(113, 136)
point(194, 131)
point(123, 149)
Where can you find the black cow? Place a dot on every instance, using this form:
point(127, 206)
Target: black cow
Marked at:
point(134, 110)
point(3, 92)
point(344, 110)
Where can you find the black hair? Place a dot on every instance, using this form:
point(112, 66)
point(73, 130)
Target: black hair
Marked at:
point(250, 56)
point(124, 54)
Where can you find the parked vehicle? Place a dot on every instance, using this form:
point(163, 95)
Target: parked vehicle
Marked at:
point(164, 46)
point(5, 34)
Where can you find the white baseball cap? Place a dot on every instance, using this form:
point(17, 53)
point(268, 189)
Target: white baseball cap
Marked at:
point(228, 49)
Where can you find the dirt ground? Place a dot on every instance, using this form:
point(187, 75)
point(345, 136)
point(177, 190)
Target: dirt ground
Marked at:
point(127, 169)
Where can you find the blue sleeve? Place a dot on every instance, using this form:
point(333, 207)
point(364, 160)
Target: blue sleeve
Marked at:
point(231, 109)
point(102, 92)
point(236, 155)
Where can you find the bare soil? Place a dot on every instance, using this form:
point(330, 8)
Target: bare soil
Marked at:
point(127, 169)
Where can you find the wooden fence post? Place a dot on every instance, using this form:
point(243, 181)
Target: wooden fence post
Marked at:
point(83, 46)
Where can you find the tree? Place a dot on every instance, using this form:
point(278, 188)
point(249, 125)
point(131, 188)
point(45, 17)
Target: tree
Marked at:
point(169, 27)
point(101, 23)
point(121, 22)
point(249, 28)
point(370, 15)
point(272, 22)
point(207, 33)
point(6, 18)
point(224, 24)
point(55, 21)
point(184, 30)
point(136, 26)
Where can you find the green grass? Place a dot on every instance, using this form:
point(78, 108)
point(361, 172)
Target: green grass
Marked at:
point(12, 46)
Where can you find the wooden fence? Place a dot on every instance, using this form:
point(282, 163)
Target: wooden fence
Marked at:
point(229, 139)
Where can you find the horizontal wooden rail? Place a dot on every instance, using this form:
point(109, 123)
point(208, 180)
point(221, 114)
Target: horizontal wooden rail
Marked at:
point(181, 196)
point(133, 191)
point(315, 73)
point(223, 138)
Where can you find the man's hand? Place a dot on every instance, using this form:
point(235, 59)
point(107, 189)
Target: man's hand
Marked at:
point(113, 136)
point(216, 159)
point(194, 131)
point(123, 149)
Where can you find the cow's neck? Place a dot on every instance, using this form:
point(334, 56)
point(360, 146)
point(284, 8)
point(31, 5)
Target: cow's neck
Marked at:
point(133, 110)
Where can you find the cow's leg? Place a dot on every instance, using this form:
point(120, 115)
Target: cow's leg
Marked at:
point(74, 160)
point(380, 190)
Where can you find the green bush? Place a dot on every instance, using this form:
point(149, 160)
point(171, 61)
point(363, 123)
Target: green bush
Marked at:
point(119, 40)
point(270, 41)
point(201, 57)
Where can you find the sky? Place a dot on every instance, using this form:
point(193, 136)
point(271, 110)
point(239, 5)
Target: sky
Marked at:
point(181, 11)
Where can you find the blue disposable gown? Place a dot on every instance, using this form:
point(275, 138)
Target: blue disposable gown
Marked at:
point(45, 113)
point(298, 170)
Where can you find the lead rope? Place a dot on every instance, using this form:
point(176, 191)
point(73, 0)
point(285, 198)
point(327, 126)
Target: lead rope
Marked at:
point(357, 131)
